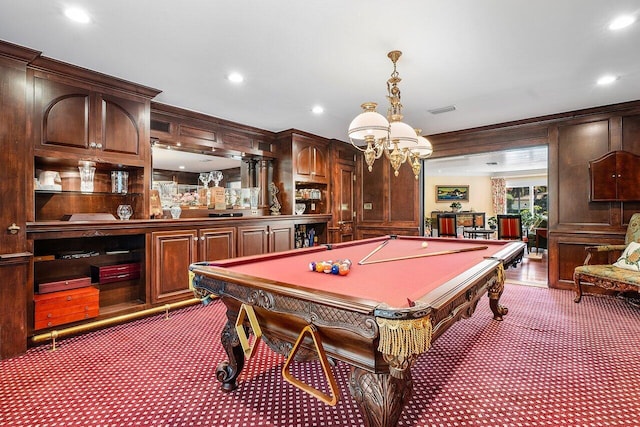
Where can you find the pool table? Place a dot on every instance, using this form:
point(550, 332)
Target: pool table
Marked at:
point(378, 318)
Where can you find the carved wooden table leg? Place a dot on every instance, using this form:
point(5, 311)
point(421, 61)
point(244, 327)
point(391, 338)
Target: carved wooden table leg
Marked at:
point(495, 292)
point(228, 371)
point(381, 397)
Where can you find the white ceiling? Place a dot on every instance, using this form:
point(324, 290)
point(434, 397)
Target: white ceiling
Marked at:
point(509, 163)
point(495, 60)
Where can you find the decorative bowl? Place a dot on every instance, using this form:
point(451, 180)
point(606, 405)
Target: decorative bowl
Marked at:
point(300, 208)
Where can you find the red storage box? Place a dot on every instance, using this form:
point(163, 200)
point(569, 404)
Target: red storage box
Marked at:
point(64, 284)
point(58, 308)
point(115, 272)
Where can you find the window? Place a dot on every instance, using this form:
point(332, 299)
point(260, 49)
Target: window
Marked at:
point(525, 198)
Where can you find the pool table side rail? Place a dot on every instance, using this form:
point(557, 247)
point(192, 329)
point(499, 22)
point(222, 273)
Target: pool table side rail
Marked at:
point(509, 256)
point(202, 272)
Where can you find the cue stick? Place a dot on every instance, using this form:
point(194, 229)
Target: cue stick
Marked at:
point(362, 261)
point(453, 251)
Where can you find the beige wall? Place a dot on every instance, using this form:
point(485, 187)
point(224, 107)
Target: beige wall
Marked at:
point(479, 193)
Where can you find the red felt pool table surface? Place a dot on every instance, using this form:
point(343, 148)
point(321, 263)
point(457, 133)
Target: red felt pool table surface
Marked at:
point(392, 282)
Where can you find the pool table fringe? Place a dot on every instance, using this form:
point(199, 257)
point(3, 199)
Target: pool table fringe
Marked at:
point(404, 337)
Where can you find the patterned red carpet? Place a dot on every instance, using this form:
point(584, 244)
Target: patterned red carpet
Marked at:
point(549, 363)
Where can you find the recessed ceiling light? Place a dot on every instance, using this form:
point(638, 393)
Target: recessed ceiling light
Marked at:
point(235, 78)
point(77, 15)
point(317, 110)
point(181, 167)
point(607, 79)
point(621, 22)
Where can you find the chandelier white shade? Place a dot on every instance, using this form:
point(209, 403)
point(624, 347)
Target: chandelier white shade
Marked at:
point(375, 135)
point(368, 123)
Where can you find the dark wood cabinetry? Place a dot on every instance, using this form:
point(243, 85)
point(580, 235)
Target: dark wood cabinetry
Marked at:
point(174, 250)
point(204, 134)
point(60, 204)
point(310, 160)
point(615, 177)
point(302, 172)
point(78, 115)
point(70, 261)
point(77, 120)
point(263, 238)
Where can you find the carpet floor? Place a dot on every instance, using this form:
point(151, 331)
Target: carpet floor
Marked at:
point(551, 362)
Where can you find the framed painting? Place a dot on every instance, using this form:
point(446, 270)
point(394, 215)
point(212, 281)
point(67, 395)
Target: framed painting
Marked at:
point(452, 193)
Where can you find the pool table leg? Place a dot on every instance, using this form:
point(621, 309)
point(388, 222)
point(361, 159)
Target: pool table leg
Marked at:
point(228, 371)
point(381, 397)
point(495, 292)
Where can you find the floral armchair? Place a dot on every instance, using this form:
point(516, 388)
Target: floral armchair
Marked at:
point(613, 277)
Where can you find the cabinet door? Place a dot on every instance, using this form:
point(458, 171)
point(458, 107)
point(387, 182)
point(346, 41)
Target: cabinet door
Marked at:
point(61, 115)
point(173, 252)
point(119, 127)
point(217, 243)
point(310, 162)
point(97, 126)
point(603, 178)
point(628, 171)
point(253, 240)
point(281, 237)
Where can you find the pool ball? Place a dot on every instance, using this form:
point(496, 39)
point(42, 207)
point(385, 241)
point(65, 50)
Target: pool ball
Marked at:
point(425, 244)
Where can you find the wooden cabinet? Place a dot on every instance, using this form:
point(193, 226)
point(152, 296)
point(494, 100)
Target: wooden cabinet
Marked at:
point(79, 115)
point(615, 177)
point(76, 119)
point(61, 264)
point(199, 132)
point(310, 161)
point(174, 251)
point(302, 172)
point(260, 239)
point(60, 203)
point(463, 219)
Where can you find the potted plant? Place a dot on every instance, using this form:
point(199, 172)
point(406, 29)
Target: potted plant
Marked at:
point(530, 221)
point(455, 206)
point(427, 225)
point(493, 222)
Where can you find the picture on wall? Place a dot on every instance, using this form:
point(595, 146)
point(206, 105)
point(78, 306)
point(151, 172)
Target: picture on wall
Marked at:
point(451, 193)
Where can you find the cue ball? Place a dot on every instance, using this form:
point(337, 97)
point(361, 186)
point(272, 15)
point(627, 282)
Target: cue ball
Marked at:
point(425, 244)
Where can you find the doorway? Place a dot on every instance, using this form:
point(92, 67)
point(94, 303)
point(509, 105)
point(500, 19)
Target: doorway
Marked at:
point(524, 171)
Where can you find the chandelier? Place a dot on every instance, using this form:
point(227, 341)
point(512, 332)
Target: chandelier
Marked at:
point(373, 134)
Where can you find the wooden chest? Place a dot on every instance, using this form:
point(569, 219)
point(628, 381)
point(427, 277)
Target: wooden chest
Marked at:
point(64, 284)
point(58, 308)
point(115, 272)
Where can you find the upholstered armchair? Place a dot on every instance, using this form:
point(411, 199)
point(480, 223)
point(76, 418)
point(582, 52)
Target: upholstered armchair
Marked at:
point(612, 276)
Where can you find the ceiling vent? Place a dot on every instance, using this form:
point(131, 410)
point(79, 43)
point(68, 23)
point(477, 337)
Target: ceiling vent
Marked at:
point(441, 110)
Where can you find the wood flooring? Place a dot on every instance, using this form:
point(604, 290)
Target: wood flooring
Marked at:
point(531, 271)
